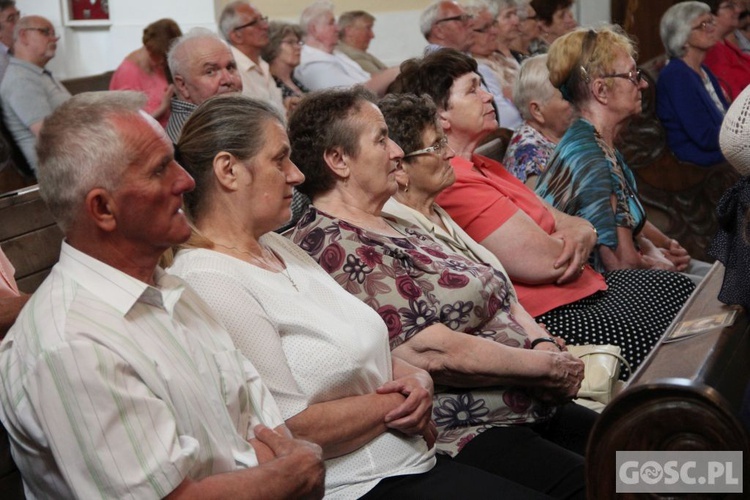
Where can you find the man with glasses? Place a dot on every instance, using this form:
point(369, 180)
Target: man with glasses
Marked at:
point(8, 18)
point(246, 31)
point(446, 24)
point(29, 93)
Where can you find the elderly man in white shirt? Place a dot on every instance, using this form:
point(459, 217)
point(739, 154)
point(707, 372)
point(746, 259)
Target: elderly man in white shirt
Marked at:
point(322, 66)
point(117, 379)
point(246, 30)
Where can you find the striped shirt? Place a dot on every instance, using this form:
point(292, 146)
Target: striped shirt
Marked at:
point(112, 388)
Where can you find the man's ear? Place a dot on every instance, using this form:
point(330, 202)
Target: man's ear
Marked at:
point(182, 90)
point(235, 37)
point(101, 208)
point(337, 162)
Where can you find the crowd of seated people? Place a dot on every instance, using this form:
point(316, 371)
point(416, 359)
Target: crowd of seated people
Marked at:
point(407, 335)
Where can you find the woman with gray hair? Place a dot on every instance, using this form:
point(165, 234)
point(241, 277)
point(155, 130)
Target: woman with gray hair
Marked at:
point(689, 99)
point(283, 55)
point(546, 118)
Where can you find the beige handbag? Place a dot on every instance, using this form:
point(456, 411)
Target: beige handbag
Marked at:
point(602, 371)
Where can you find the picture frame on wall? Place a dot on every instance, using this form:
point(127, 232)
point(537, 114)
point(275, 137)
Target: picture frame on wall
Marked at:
point(86, 13)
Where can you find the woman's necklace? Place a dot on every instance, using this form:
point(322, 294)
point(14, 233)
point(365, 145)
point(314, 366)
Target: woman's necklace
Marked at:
point(271, 263)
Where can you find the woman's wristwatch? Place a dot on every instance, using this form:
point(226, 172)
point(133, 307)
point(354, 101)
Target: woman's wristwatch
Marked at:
point(538, 341)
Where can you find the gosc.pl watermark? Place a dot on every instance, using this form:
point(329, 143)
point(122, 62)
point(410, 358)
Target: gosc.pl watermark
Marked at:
point(679, 472)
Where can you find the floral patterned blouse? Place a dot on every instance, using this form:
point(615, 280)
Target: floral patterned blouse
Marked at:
point(528, 153)
point(414, 282)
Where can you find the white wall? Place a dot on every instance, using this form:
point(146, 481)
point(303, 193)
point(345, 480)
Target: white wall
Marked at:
point(89, 51)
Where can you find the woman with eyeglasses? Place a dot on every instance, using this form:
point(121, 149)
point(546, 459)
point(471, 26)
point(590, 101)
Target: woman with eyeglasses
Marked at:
point(586, 176)
point(282, 55)
point(726, 59)
point(689, 98)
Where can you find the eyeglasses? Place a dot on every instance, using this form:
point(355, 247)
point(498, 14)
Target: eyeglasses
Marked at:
point(485, 28)
point(435, 148)
point(48, 32)
point(299, 43)
point(464, 18)
point(706, 25)
point(635, 77)
point(262, 19)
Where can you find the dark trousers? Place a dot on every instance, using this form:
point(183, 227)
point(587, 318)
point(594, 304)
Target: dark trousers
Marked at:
point(450, 480)
point(547, 457)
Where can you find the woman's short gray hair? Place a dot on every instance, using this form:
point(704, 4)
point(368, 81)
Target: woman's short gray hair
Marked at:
point(532, 83)
point(81, 147)
point(676, 25)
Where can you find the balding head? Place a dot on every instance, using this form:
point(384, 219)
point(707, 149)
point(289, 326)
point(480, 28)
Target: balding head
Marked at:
point(35, 40)
point(202, 66)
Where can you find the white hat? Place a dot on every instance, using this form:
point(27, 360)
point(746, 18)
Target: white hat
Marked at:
point(734, 137)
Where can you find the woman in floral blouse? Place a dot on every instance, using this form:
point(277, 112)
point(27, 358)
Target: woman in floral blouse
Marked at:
point(503, 388)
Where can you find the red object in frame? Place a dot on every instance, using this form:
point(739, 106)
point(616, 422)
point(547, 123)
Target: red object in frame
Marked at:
point(84, 10)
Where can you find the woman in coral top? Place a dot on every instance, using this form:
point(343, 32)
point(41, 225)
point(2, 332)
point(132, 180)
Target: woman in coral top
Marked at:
point(725, 59)
point(145, 69)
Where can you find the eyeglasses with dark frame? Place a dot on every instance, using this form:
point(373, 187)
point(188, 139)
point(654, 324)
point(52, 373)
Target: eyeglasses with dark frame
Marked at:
point(486, 28)
point(635, 77)
point(48, 32)
point(262, 19)
point(435, 148)
point(464, 18)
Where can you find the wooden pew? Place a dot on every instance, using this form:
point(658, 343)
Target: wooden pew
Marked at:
point(31, 240)
point(29, 236)
point(685, 397)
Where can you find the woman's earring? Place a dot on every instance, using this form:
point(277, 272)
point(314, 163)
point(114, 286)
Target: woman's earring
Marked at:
point(406, 188)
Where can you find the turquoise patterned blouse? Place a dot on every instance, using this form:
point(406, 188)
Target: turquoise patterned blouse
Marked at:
point(587, 178)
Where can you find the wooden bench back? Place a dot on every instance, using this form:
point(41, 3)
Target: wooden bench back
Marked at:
point(685, 397)
point(29, 236)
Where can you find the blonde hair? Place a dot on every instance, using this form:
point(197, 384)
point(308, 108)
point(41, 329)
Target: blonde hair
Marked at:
point(577, 57)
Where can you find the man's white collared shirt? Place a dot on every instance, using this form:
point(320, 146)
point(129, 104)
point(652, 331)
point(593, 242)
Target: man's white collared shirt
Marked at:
point(112, 388)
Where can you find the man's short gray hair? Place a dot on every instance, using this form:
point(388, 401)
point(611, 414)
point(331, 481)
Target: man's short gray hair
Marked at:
point(428, 17)
point(312, 12)
point(676, 25)
point(229, 19)
point(532, 83)
point(177, 58)
point(80, 148)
